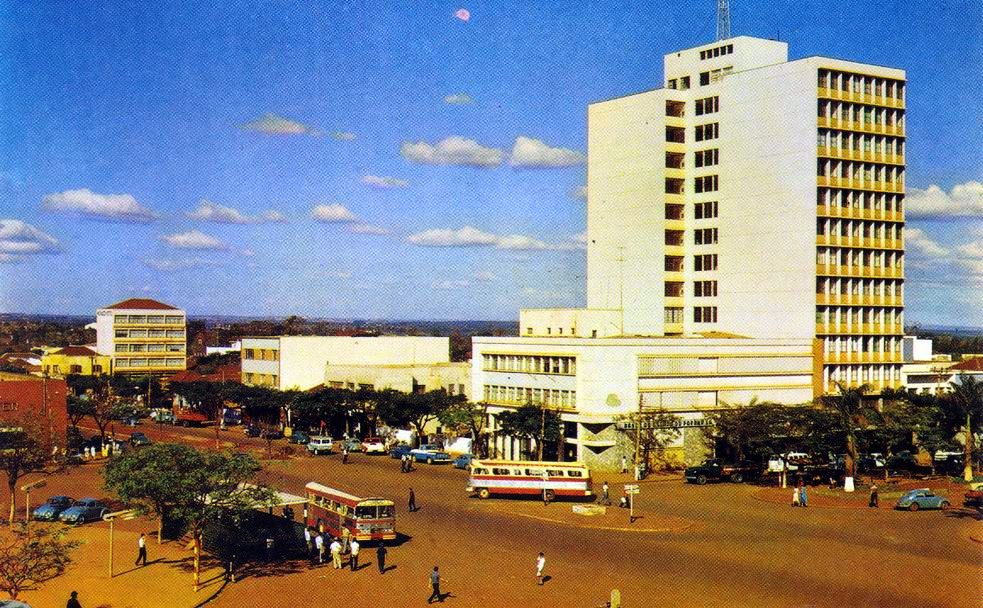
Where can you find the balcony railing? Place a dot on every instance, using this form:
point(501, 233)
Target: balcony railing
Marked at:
point(861, 155)
point(853, 125)
point(863, 357)
point(862, 329)
point(836, 240)
point(873, 272)
point(845, 299)
point(858, 97)
point(859, 213)
point(859, 184)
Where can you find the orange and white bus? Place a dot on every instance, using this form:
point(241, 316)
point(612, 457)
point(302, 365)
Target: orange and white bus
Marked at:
point(332, 511)
point(529, 477)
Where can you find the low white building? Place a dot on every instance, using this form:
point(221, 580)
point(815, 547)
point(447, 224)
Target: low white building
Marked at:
point(592, 382)
point(300, 362)
point(453, 377)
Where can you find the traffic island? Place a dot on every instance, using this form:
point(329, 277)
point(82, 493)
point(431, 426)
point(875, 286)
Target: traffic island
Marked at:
point(590, 516)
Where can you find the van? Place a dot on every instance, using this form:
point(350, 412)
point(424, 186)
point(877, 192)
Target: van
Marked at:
point(319, 445)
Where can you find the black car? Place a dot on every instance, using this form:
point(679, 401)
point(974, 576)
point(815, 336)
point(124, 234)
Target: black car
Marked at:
point(251, 430)
point(271, 434)
point(300, 437)
point(139, 439)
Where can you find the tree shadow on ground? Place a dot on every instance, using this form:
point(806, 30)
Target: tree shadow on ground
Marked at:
point(263, 569)
point(964, 513)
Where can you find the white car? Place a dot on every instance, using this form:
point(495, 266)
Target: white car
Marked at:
point(318, 445)
point(373, 445)
point(776, 464)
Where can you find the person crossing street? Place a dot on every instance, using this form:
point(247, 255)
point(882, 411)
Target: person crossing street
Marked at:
point(353, 562)
point(142, 550)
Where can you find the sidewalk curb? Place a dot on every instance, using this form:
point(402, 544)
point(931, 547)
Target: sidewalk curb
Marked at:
point(609, 528)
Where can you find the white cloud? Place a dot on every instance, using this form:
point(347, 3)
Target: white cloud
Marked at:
point(19, 239)
point(469, 236)
point(113, 207)
point(964, 200)
point(384, 182)
point(453, 150)
point(174, 265)
point(448, 285)
point(459, 99)
point(485, 276)
point(534, 154)
point(580, 239)
point(208, 211)
point(369, 229)
point(579, 192)
point(343, 135)
point(973, 267)
point(194, 239)
point(333, 213)
point(972, 251)
point(921, 243)
point(272, 124)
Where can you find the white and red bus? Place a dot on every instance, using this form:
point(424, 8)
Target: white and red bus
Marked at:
point(529, 477)
point(331, 511)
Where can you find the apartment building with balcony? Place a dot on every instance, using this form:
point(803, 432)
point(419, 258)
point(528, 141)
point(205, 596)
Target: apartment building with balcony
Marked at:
point(757, 196)
point(142, 336)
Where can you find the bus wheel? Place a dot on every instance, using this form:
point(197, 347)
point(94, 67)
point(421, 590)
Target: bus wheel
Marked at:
point(429, 460)
point(550, 495)
point(483, 493)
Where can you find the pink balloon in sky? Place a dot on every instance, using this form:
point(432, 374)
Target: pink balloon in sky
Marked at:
point(463, 14)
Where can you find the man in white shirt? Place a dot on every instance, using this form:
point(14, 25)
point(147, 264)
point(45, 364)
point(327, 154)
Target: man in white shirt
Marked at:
point(540, 565)
point(310, 543)
point(336, 554)
point(354, 559)
point(319, 543)
point(142, 545)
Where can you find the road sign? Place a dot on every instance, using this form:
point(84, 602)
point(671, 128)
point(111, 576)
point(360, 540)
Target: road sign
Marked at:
point(632, 488)
point(127, 514)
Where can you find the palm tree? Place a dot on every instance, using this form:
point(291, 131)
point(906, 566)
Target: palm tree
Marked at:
point(850, 408)
point(967, 398)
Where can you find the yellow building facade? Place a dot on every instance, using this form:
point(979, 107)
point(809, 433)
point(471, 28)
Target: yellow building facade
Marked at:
point(80, 360)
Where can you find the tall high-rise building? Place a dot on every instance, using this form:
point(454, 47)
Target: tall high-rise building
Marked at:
point(756, 196)
point(142, 336)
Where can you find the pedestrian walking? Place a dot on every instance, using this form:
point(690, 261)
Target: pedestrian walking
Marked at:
point(546, 491)
point(346, 539)
point(402, 463)
point(73, 601)
point(873, 496)
point(605, 494)
point(540, 565)
point(336, 554)
point(412, 505)
point(804, 498)
point(309, 541)
point(435, 581)
point(624, 464)
point(319, 545)
point(795, 497)
point(380, 557)
point(354, 559)
point(142, 550)
point(344, 455)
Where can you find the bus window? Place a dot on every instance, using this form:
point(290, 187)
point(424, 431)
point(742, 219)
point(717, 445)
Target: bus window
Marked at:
point(387, 511)
point(343, 510)
point(501, 471)
point(574, 473)
point(536, 472)
point(554, 472)
point(479, 471)
point(365, 512)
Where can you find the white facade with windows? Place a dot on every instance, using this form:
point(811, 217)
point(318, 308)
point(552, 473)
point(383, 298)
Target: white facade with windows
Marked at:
point(143, 337)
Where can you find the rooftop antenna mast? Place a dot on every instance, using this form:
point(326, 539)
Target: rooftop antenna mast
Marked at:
point(723, 19)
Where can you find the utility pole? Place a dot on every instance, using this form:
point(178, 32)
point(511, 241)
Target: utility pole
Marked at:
point(638, 436)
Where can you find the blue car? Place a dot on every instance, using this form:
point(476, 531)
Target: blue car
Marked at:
point(922, 498)
point(50, 510)
point(430, 454)
point(400, 450)
point(86, 509)
point(463, 461)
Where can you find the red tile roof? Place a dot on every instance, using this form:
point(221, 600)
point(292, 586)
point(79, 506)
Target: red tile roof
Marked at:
point(75, 351)
point(969, 365)
point(230, 372)
point(141, 304)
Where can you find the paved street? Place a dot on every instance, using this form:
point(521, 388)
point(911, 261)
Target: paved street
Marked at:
point(736, 550)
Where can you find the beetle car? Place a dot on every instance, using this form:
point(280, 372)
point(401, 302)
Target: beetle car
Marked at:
point(923, 498)
point(86, 509)
point(50, 510)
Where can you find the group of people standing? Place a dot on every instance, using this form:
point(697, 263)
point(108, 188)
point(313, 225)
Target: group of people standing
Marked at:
point(339, 548)
point(800, 498)
point(405, 463)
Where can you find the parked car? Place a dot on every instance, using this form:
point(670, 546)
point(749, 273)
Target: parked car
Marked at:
point(251, 430)
point(352, 445)
point(429, 453)
point(905, 464)
point(299, 437)
point(400, 450)
point(952, 465)
point(373, 445)
point(232, 417)
point(50, 510)
point(138, 439)
point(463, 461)
point(271, 434)
point(320, 445)
point(84, 510)
point(714, 469)
point(163, 416)
point(974, 498)
point(776, 463)
point(922, 498)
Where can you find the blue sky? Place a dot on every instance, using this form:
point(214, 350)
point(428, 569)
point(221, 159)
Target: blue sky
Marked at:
point(441, 156)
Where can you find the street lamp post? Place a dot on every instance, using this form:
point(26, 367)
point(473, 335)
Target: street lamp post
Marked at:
point(111, 518)
point(27, 504)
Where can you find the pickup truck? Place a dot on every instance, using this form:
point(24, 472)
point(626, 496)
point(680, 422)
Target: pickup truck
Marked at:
point(430, 454)
point(715, 469)
point(974, 498)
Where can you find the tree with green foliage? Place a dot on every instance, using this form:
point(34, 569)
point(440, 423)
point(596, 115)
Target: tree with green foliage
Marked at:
point(188, 485)
point(468, 417)
point(202, 396)
point(966, 401)
point(78, 409)
point(531, 422)
point(852, 412)
point(31, 557)
point(648, 433)
point(750, 431)
point(24, 447)
point(323, 404)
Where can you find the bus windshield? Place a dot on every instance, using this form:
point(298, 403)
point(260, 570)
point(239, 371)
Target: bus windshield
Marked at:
point(374, 512)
